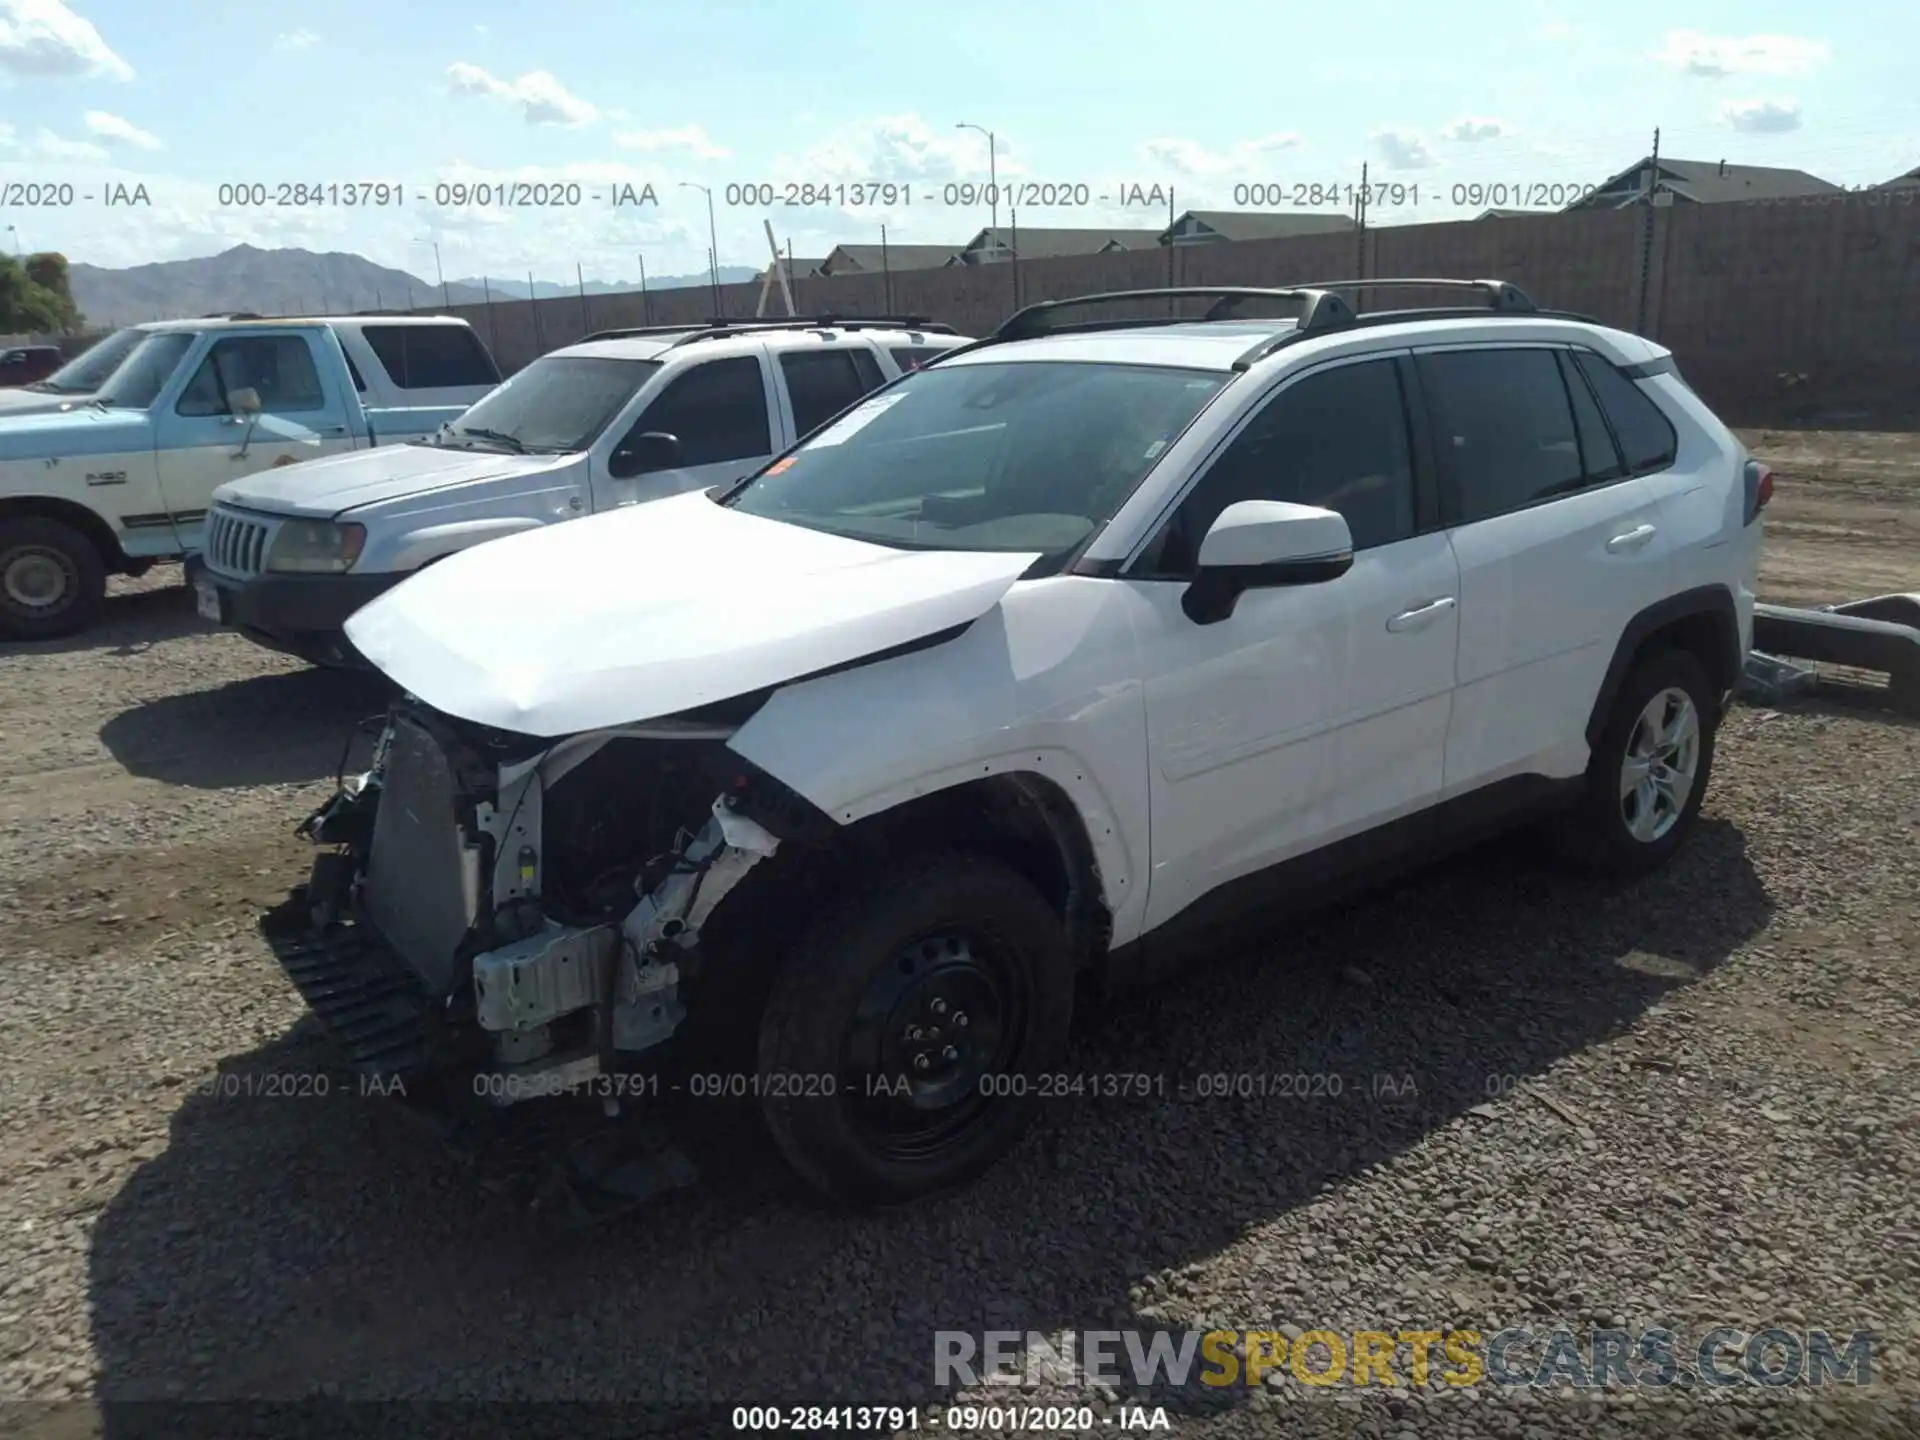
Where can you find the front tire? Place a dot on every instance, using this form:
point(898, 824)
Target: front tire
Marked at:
point(1649, 772)
point(901, 1045)
point(52, 581)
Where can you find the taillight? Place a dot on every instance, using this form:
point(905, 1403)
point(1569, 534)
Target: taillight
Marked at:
point(1759, 489)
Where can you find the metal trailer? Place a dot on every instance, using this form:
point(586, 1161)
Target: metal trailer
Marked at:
point(1880, 634)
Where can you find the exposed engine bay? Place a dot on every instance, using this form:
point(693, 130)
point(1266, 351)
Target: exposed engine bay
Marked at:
point(536, 900)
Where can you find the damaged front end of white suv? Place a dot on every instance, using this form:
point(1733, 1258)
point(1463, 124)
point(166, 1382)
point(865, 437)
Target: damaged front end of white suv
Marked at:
point(513, 916)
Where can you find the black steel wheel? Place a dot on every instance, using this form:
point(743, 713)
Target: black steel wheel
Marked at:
point(901, 1045)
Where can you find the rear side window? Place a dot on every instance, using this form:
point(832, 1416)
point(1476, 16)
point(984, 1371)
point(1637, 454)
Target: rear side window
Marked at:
point(1504, 429)
point(869, 368)
point(912, 357)
point(821, 383)
point(716, 409)
point(1646, 436)
point(432, 357)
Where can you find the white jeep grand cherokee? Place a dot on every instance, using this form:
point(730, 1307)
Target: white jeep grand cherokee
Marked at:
point(1082, 642)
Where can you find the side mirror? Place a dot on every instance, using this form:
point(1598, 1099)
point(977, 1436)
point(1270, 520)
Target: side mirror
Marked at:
point(1262, 544)
point(645, 453)
point(244, 403)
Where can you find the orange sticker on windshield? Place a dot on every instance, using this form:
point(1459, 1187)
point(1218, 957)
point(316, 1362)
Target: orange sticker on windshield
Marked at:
point(780, 465)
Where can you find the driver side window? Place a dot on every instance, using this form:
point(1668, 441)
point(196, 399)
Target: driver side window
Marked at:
point(1337, 439)
point(279, 368)
point(717, 409)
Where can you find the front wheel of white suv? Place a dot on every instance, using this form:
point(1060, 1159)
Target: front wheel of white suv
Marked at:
point(1650, 768)
point(908, 1033)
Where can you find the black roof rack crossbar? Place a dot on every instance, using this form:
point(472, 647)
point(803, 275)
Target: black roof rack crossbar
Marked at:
point(1501, 296)
point(695, 329)
point(1030, 322)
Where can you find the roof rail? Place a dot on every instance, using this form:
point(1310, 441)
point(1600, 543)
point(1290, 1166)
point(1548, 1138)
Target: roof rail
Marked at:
point(230, 315)
point(709, 329)
point(1501, 296)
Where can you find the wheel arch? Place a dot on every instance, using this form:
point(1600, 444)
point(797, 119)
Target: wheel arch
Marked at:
point(1703, 621)
point(70, 512)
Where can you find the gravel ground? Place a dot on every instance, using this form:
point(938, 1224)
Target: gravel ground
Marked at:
point(1688, 1102)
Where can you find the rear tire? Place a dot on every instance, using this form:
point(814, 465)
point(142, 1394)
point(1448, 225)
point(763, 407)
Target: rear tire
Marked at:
point(901, 1045)
point(1649, 772)
point(52, 580)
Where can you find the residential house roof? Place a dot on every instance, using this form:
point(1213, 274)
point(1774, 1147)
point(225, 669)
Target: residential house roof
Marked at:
point(798, 267)
point(1040, 242)
point(1255, 224)
point(853, 259)
point(1705, 182)
point(1908, 181)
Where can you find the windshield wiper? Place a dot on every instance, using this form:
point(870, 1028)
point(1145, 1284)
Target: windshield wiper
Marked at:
point(498, 437)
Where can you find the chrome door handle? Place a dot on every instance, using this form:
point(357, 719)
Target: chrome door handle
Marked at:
point(1632, 540)
point(1421, 616)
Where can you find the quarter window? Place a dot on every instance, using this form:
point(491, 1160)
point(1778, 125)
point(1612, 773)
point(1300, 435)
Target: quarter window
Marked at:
point(1646, 436)
point(1504, 428)
point(1336, 439)
point(717, 409)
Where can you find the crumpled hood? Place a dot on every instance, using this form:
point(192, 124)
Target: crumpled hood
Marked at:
point(656, 609)
point(354, 478)
point(87, 430)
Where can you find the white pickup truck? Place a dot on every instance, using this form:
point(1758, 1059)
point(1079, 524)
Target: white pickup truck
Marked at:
point(122, 479)
point(77, 381)
point(620, 417)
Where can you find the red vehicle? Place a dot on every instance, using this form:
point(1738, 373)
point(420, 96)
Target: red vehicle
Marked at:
point(24, 364)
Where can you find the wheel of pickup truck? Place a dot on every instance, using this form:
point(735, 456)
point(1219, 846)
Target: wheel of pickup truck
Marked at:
point(1649, 772)
point(903, 1041)
point(52, 582)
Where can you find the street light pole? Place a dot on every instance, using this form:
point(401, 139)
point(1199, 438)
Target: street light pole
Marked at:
point(993, 177)
point(713, 244)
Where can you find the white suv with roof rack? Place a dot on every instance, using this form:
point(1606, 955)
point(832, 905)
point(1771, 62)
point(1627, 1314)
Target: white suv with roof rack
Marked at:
point(620, 417)
point(1070, 650)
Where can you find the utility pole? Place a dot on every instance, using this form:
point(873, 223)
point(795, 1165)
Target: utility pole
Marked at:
point(1013, 251)
point(646, 300)
point(713, 243)
point(580, 277)
point(493, 333)
point(533, 304)
point(886, 272)
point(1360, 236)
point(1649, 191)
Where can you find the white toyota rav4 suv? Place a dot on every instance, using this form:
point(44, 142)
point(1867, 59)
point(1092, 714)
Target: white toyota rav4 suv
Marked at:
point(1035, 665)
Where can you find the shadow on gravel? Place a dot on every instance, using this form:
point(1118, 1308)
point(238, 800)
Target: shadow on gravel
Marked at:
point(295, 1244)
point(128, 624)
point(272, 729)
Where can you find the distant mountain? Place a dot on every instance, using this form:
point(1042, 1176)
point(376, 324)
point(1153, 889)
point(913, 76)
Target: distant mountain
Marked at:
point(508, 289)
point(294, 282)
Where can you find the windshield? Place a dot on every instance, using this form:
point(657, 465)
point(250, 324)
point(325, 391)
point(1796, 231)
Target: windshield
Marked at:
point(84, 374)
point(138, 381)
point(1011, 456)
point(560, 403)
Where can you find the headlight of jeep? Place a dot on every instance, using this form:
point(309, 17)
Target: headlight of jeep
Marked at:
point(315, 547)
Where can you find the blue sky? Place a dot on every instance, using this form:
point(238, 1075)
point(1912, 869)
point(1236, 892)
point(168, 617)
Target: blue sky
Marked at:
point(1199, 95)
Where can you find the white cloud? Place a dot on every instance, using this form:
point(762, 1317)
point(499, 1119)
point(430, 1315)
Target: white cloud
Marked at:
point(1404, 150)
point(541, 97)
point(116, 131)
point(688, 137)
point(295, 40)
point(44, 37)
point(1190, 157)
point(1470, 128)
point(49, 146)
point(1718, 55)
point(1761, 117)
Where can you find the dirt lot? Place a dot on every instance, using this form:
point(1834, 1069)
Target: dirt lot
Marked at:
point(1692, 1102)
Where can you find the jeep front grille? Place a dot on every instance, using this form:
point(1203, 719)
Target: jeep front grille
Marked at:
point(236, 544)
point(422, 879)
